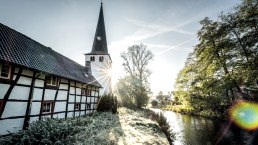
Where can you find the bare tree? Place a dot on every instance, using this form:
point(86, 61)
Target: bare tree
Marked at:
point(135, 62)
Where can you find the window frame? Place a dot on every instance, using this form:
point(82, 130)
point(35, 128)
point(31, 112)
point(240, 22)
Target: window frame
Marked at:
point(83, 92)
point(87, 92)
point(51, 80)
point(88, 106)
point(77, 106)
point(51, 107)
point(9, 71)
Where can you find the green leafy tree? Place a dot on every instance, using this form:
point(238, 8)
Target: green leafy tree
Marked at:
point(224, 64)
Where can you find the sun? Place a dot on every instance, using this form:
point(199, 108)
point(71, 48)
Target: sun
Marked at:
point(109, 72)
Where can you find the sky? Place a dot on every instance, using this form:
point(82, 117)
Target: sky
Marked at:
point(167, 27)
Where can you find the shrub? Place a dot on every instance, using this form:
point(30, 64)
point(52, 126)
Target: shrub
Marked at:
point(107, 103)
point(163, 123)
point(154, 103)
point(46, 131)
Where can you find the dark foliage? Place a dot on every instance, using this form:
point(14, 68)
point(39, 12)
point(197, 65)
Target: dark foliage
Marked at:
point(154, 103)
point(107, 103)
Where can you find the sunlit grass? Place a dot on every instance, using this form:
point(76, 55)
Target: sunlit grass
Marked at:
point(125, 127)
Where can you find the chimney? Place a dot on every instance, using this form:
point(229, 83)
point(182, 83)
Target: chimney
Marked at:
point(88, 67)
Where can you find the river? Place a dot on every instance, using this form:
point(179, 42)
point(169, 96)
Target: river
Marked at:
point(191, 130)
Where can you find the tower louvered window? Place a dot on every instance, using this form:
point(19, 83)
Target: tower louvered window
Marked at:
point(101, 59)
point(92, 58)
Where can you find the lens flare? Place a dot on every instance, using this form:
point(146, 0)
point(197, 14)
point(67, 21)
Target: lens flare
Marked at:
point(245, 115)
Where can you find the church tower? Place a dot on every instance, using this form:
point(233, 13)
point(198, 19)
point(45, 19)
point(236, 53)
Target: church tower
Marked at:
point(98, 61)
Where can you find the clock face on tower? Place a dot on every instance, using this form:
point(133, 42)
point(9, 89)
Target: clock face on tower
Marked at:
point(98, 37)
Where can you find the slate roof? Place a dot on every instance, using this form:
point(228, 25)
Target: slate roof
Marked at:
point(22, 50)
point(99, 46)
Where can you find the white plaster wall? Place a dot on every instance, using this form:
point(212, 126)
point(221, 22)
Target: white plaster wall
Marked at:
point(24, 80)
point(20, 93)
point(12, 125)
point(88, 99)
point(76, 114)
point(14, 109)
point(70, 107)
point(91, 106)
point(64, 81)
point(78, 91)
point(37, 94)
point(35, 108)
point(27, 72)
point(70, 114)
point(46, 116)
point(92, 99)
point(50, 94)
point(72, 90)
point(87, 112)
point(59, 115)
point(78, 99)
point(63, 86)
point(82, 106)
point(39, 83)
point(83, 99)
point(33, 119)
point(60, 106)
point(82, 113)
point(3, 90)
point(62, 95)
point(71, 98)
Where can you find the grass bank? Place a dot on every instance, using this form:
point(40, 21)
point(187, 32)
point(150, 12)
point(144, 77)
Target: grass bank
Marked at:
point(207, 113)
point(125, 127)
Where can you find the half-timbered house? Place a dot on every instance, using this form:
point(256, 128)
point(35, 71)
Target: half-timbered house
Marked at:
point(38, 82)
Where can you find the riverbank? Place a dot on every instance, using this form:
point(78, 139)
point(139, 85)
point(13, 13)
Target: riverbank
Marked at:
point(125, 127)
point(207, 113)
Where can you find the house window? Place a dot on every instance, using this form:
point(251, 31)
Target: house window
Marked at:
point(1, 105)
point(88, 92)
point(101, 59)
point(83, 92)
point(88, 106)
point(92, 58)
point(47, 107)
point(51, 80)
point(5, 71)
point(77, 106)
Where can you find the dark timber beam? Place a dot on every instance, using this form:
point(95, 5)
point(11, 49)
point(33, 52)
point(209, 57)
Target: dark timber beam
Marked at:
point(28, 110)
point(6, 96)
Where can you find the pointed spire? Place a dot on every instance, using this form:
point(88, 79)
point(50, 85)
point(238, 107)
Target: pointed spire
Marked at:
point(100, 41)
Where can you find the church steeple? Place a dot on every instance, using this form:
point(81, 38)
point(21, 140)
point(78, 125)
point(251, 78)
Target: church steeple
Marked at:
point(100, 41)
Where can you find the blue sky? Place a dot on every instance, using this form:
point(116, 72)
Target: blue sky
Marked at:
point(167, 27)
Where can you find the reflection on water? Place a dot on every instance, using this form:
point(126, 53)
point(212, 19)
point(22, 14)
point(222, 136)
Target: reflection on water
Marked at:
point(200, 131)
